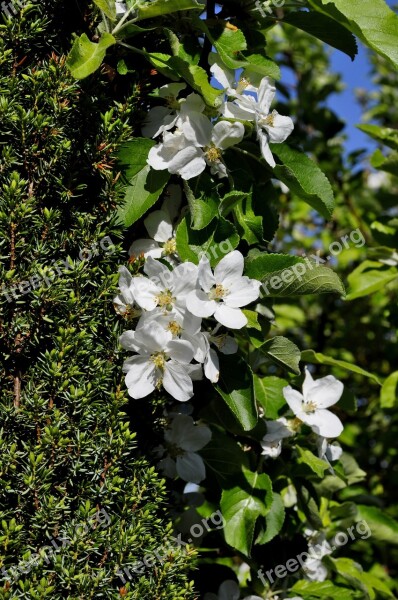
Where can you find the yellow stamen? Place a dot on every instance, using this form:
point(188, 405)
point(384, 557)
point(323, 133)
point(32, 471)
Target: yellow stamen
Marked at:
point(213, 154)
point(165, 300)
point(174, 327)
point(309, 407)
point(218, 292)
point(159, 360)
point(170, 247)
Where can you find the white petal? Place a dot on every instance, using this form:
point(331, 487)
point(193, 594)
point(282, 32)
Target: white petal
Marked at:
point(265, 149)
point(324, 423)
point(158, 271)
point(271, 449)
point(140, 378)
point(180, 350)
point(184, 279)
point(159, 226)
point(172, 201)
point(325, 392)
point(195, 372)
point(126, 285)
point(281, 128)
point(212, 366)
point(127, 341)
point(205, 276)
point(230, 317)
point(171, 90)
point(199, 304)
point(266, 94)
point(227, 345)
point(180, 427)
point(242, 292)
point(145, 247)
point(154, 120)
point(177, 382)
point(226, 134)
point(308, 383)
point(197, 438)
point(197, 129)
point(145, 292)
point(232, 110)
point(168, 467)
point(191, 104)
point(153, 337)
point(188, 163)
point(229, 268)
point(294, 399)
point(224, 76)
point(202, 348)
point(190, 467)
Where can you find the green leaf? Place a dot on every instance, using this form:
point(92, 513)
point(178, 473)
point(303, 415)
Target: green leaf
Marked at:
point(283, 352)
point(325, 590)
point(371, 20)
point(383, 527)
point(202, 209)
point(388, 396)
point(389, 163)
point(352, 572)
point(158, 8)
point(108, 7)
point(224, 456)
point(229, 42)
point(274, 520)
point(304, 178)
point(242, 505)
point(262, 65)
point(284, 275)
point(86, 57)
point(144, 185)
point(324, 28)
point(317, 465)
point(310, 356)
point(236, 388)
point(215, 240)
point(251, 225)
point(229, 201)
point(197, 78)
point(268, 393)
point(368, 278)
point(385, 135)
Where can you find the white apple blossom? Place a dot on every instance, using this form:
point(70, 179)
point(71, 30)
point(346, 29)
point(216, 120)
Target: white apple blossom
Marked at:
point(208, 356)
point(196, 144)
point(223, 293)
point(124, 302)
point(318, 547)
point(165, 290)
point(163, 118)
point(160, 227)
point(329, 452)
point(270, 126)
point(229, 590)
point(160, 361)
point(227, 78)
point(311, 406)
point(183, 440)
point(278, 430)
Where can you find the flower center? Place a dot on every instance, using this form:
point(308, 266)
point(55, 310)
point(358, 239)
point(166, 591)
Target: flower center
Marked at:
point(220, 340)
point(174, 451)
point(269, 120)
point(170, 247)
point(165, 300)
point(213, 154)
point(218, 292)
point(242, 84)
point(174, 327)
point(309, 407)
point(159, 360)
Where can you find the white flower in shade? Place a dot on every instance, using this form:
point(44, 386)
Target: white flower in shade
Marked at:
point(329, 452)
point(163, 118)
point(223, 293)
point(226, 78)
point(124, 302)
point(318, 547)
point(161, 361)
point(311, 406)
point(208, 356)
point(165, 290)
point(183, 440)
point(278, 430)
point(229, 590)
point(270, 126)
point(160, 227)
point(197, 144)
point(121, 8)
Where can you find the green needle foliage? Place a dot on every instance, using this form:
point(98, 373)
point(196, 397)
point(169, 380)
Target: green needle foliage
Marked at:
point(71, 477)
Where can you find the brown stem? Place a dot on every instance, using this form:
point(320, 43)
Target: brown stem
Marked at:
point(17, 390)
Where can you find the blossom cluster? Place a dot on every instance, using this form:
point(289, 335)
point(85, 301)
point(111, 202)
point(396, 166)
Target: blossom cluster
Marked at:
point(185, 312)
point(189, 140)
point(309, 408)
